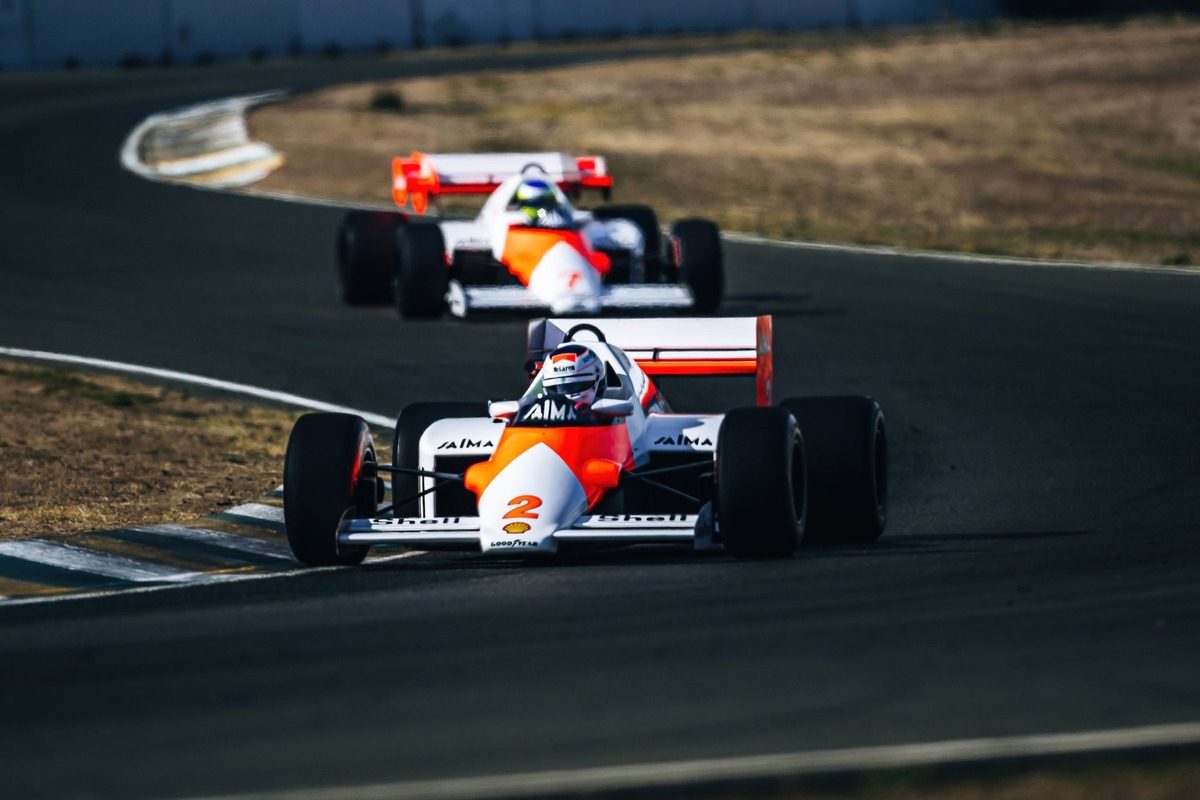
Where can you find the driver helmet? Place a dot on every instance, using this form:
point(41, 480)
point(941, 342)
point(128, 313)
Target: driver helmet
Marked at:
point(537, 200)
point(574, 371)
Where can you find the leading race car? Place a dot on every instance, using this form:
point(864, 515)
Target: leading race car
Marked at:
point(529, 250)
point(593, 456)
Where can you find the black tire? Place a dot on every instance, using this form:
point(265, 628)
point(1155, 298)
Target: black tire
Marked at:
point(647, 221)
point(761, 491)
point(366, 251)
point(328, 471)
point(696, 253)
point(846, 444)
point(413, 420)
point(421, 274)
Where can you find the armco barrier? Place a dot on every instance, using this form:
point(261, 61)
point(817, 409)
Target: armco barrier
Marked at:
point(50, 34)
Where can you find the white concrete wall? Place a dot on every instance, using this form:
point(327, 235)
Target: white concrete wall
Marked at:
point(50, 33)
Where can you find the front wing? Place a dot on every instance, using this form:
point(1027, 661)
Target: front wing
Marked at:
point(464, 532)
point(464, 300)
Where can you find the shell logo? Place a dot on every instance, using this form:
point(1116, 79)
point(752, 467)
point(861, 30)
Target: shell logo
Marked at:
point(516, 528)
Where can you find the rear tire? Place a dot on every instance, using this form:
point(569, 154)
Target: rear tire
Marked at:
point(696, 253)
point(366, 251)
point(421, 275)
point(647, 222)
point(761, 492)
point(846, 443)
point(329, 470)
point(406, 446)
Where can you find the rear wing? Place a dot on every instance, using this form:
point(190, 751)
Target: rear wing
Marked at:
point(422, 177)
point(677, 345)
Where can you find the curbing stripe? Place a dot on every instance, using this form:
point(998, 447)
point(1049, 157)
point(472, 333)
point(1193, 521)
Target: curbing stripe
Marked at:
point(248, 545)
point(206, 554)
point(94, 562)
point(204, 579)
point(45, 575)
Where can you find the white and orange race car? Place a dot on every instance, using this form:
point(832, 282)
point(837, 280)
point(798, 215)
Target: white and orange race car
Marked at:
point(568, 261)
point(545, 473)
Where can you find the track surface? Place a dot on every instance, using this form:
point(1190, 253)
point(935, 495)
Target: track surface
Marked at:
point(1039, 573)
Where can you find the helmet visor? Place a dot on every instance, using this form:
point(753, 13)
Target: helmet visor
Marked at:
point(572, 388)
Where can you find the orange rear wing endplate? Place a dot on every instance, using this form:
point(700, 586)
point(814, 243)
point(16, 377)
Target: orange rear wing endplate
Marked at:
point(422, 177)
point(678, 345)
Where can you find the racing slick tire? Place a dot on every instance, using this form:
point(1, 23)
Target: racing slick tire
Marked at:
point(421, 275)
point(761, 488)
point(366, 250)
point(696, 253)
point(406, 445)
point(328, 471)
point(846, 444)
point(647, 222)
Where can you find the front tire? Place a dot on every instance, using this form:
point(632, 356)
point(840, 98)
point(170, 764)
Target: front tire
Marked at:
point(421, 275)
point(329, 470)
point(366, 251)
point(846, 443)
point(697, 255)
point(761, 492)
point(646, 220)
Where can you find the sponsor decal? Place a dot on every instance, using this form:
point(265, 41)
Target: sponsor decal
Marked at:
point(522, 507)
point(548, 410)
point(465, 444)
point(414, 522)
point(639, 518)
point(683, 440)
point(563, 357)
point(513, 543)
point(516, 528)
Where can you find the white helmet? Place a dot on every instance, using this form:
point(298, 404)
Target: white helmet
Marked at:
point(574, 371)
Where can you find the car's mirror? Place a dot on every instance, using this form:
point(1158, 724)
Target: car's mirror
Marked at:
point(612, 407)
point(503, 409)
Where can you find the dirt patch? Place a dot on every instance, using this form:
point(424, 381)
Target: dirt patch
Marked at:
point(1078, 141)
point(82, 452)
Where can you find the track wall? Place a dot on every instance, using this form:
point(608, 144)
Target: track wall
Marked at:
point(51, 34)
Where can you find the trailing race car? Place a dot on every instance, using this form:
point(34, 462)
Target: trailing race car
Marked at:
point(593, 456)
point(529, 249)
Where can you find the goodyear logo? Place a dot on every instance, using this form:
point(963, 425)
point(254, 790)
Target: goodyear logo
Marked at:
point(516, 528)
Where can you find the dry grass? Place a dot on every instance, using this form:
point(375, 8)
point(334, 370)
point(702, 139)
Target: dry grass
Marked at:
point(1161, 777)
point(81, 452)
point(1058, 141)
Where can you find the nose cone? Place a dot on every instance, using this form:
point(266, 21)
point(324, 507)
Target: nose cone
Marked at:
point(534, 496)
point(566, 281)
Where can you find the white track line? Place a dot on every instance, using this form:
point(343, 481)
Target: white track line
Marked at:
point(680, 774)
point(93, 562)
point(228, 541)
point(285, 398)
point(966, 258)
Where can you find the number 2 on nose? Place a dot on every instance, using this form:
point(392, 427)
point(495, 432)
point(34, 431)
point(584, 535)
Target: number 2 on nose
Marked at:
point(522, 507)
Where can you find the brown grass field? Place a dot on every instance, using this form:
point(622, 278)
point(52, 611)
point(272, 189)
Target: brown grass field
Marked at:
point(1069, 141)
point(82, 452)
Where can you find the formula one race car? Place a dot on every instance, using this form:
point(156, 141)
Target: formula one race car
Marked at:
point(592, 456)
point(529, 249)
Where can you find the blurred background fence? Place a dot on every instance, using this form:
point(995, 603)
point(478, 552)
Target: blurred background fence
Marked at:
point(53, 34)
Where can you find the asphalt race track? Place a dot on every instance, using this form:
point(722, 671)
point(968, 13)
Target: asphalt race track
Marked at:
point(1039, 573)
